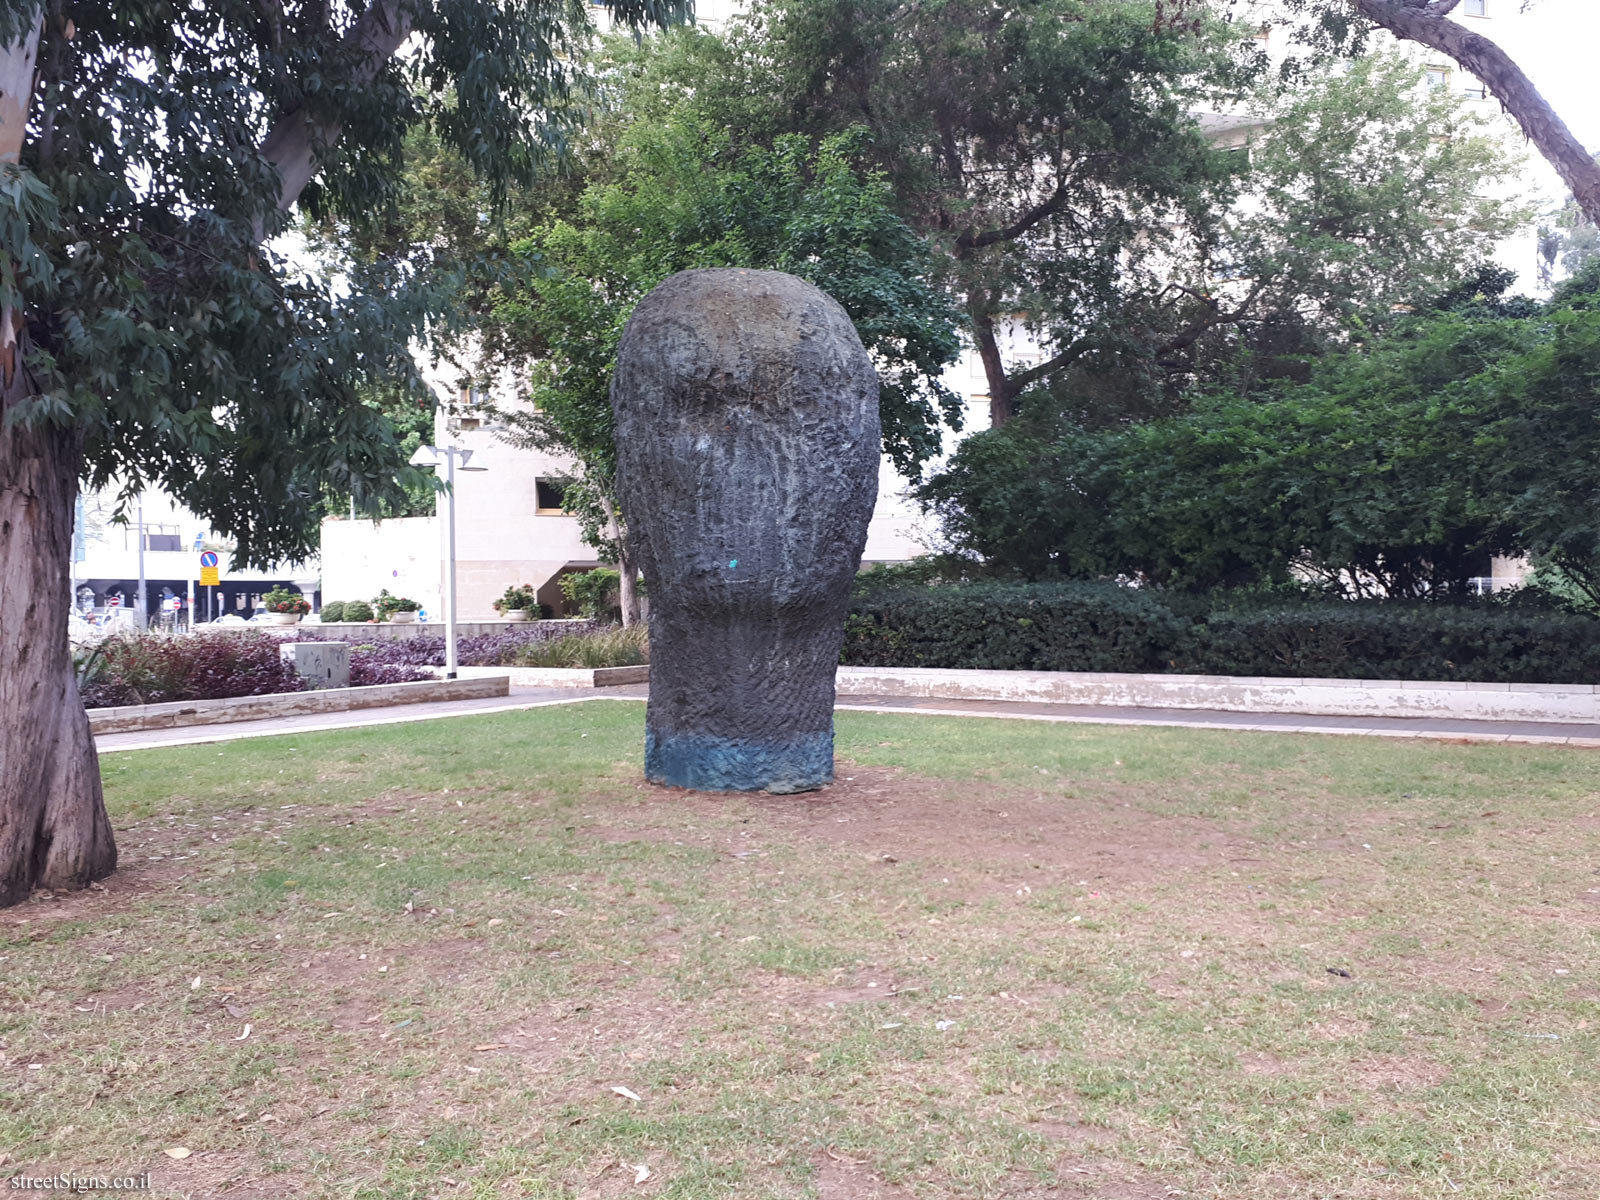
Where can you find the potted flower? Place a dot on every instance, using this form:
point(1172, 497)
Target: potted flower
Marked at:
point(518, 603)
point(395, 609)
point(285, 607)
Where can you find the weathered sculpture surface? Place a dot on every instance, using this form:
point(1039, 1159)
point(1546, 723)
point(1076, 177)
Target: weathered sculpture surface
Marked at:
point(748, 443)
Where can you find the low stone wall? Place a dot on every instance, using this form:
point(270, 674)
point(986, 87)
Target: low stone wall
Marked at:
point(1564, 702)
point(573, 677)
point(133, 717)
point(369, 631)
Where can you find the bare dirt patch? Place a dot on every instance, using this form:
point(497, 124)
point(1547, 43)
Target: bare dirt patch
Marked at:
point(839, 1177)
point(1397, 1073)
point(894, 819)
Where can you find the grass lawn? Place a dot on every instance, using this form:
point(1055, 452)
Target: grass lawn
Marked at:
point(479, 958)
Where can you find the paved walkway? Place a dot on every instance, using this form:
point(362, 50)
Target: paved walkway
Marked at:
point(1444, 728)
point(1535, 732)
point(394, 714)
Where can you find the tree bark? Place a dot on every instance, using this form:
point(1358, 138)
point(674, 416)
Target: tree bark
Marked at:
point(1427, 25)
point(628, 585)
point(53, 826)
point(1001, 392)
point(627, 563)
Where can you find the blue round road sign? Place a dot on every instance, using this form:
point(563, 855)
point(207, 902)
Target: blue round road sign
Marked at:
point(208, 559)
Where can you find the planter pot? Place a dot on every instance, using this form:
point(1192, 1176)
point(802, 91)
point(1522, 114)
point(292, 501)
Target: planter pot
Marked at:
point(516, 614)
point(403, 618)
point(285, 618)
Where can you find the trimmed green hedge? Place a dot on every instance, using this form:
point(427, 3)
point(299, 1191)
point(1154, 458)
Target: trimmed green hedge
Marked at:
point(1102, 627)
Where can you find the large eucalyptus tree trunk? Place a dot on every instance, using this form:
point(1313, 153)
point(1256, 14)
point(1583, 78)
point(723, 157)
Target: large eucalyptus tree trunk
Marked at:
point(53, 826)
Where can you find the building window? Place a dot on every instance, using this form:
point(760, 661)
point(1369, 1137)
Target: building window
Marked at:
point(550, 495)
point(1475, 92)
point(1438, 77)
point(1475, 8)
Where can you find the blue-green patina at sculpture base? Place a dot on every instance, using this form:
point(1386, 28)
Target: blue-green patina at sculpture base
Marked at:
point(709, 763)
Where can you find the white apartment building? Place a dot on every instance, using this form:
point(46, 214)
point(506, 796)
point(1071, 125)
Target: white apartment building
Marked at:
point(163, 541)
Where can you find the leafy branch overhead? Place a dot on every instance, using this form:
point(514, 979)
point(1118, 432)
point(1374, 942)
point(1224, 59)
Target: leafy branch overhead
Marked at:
point(1342, 25)
point(680, 195)
point(164, 143)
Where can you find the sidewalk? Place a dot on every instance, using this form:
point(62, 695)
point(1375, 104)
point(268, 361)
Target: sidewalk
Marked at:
point(1449, 729)
point(1446, 729)
point(520, 698)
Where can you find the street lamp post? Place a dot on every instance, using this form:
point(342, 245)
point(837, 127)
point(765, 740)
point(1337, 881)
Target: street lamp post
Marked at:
point(141, 618)
point(430, 456)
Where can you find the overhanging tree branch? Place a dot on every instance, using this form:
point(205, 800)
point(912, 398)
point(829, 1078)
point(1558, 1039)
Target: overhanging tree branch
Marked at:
point(1045, 208)
point(1426, 24)
point(294, 143)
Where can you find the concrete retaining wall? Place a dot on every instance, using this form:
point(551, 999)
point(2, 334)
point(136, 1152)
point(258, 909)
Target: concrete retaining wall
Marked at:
point(1576, 703)
point(366, 631)
point(573, 677)
point(289, 704)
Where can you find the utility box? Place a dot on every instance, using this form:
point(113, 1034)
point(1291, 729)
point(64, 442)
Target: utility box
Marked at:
point(325, 664)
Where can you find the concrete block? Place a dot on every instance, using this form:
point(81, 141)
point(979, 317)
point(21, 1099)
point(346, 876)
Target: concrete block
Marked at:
point(325, 664)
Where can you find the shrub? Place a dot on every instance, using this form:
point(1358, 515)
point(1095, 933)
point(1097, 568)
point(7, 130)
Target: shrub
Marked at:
point(597, 593)
point(478, 650)
point(357, 610)
point(366, 671)
point(1014, 627)
point(926, 570)
point(154, 669)
point(1484, 643)
point(1102, 627)
point(333, 610)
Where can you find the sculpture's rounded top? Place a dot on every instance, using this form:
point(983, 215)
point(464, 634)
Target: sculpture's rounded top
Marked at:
point(729, 314)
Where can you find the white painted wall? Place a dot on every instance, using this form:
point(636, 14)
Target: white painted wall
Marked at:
point(401, 554)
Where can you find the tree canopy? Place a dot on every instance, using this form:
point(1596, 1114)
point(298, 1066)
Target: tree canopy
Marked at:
point(182, 350)
point(152, 333)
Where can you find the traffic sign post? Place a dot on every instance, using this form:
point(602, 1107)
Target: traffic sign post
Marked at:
point(208, 578)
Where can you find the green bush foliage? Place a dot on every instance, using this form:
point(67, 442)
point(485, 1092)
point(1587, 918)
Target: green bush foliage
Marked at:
point(333, 610)
point(357, 610)
point(1086, 626)
point(518, 597)
point(597, 593)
